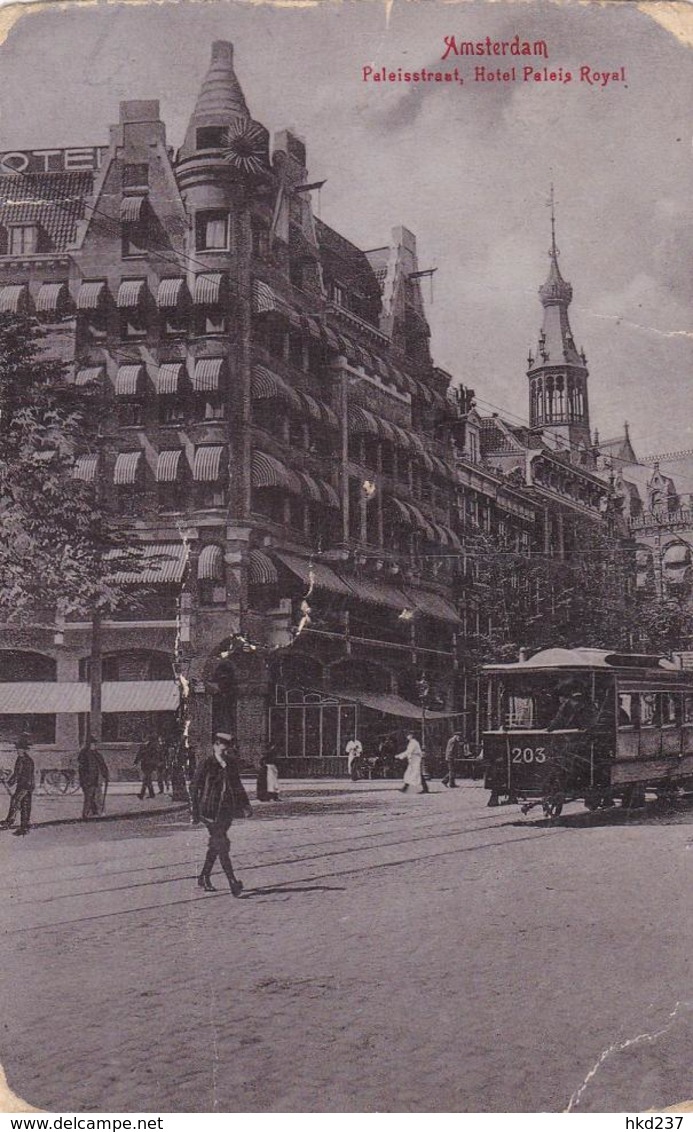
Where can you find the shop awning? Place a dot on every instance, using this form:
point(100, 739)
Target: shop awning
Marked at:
point(208, 289)
point(311, 406)
point(261, 569)
point(50, 298)
point(433, 605)
point(330, 495)
point(390, 705)
point(207, 466)
point(91, 294)
point(131, 208)
point(264, 299)
point(378, 593)
point(267, 471)
point(43, 698)
point(167, 466)
point(311, 489)
point(315, 573)
point(13, 298)
point(169, 293)
point(169, 378)
point(362, 421)
point(207, 374)
point(155, 563)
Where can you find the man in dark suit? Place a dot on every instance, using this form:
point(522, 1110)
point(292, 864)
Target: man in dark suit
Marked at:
point(93, 778)
point(23, 779)
point(217, 795)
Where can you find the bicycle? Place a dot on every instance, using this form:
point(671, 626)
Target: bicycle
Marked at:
point(59, 782)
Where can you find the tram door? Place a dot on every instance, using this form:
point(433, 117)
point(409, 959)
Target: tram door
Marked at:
point(308, 725)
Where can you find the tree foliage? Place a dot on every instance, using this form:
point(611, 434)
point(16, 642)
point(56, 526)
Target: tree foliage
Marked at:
point(58, 548)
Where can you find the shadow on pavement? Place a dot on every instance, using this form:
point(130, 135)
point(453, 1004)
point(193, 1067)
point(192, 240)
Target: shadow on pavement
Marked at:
point(653, 813)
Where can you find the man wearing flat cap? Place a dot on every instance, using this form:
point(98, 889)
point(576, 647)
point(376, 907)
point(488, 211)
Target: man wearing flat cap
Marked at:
point(23, 779)
point(218, 796)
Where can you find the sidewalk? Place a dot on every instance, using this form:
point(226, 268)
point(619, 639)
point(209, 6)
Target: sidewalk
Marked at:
point(121, 802)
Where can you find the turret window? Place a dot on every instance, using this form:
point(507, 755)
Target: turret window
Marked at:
point(212, 231)
point(211, 137)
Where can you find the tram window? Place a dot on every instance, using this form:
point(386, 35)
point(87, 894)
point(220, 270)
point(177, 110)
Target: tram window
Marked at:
point(669, 709)
point(520, 712)
point(648, 709)
point(688, 708)
point(625, 710)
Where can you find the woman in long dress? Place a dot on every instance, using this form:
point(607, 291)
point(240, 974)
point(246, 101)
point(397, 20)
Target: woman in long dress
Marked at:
point(414, 755)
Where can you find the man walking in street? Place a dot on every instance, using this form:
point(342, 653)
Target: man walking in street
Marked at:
point(93, 779)
point(23, 778)
point(451, 750)
point(354, 752)
point(149, 758)
point(413, 775)
point(217, 795)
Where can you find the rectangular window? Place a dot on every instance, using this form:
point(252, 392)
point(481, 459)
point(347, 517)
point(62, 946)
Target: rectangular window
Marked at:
point(171, 410)
point(135, 176)
point(212, 231)
point(134, 238)
point(23, 239)
point(338, 294)
point(210, 495)
point(133, 323)
point(211, 593)
point(170, 496)
point(213, 407)
point(648, 709)
point(215, 321)
point(260, 241)
point(130, 413)
point(688, 708)
point(176, 322)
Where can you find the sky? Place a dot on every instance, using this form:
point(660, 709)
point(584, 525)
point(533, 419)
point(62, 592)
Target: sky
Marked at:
point(466, 167)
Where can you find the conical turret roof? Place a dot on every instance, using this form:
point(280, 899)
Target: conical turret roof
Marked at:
point(221, 96)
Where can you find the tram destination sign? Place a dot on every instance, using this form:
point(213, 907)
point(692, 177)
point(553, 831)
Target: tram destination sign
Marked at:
point(74, 160)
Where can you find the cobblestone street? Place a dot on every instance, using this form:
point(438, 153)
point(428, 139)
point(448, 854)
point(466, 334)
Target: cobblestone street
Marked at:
point(389, 953)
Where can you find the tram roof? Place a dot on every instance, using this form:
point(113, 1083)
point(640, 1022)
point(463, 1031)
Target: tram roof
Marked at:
point(587, 659)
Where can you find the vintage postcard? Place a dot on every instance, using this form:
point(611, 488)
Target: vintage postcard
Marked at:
point(346, 557)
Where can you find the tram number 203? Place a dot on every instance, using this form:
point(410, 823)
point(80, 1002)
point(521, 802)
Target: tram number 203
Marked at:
point(528, 754)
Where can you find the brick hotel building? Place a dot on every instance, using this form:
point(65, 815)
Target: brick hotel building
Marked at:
point(304, 476)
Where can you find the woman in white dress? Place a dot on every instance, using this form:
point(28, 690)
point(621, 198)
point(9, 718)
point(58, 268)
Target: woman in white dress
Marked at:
point(414, 756)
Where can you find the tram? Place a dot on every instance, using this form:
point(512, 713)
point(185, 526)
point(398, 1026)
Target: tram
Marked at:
point(587, 724)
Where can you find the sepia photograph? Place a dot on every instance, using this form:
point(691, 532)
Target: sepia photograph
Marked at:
point(346, 557)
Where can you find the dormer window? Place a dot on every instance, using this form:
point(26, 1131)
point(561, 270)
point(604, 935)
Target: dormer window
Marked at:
point(211, 137)
point(136, 176)
point(212, 231)
point(338, 294)
point(22, 239)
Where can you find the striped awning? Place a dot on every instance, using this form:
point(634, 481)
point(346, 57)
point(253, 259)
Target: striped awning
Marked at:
point(155, 563)
point(311, 406)
point(167, 466)
point(330, 496)
point(387, 430)
point(330, 417)
point(261, 569)
point(91, 294)
point(207, 374)
point(126, 466)
point(169, 377)
point(208, 289)
point(207, 466)
point(88, 375)
point(426, 461)
point(453, 539)
point(378, 593)
point(65, 698)
point(264, 298)
point(415, 443)
point(13, 298)
point(311, 487)
point(313, 574)
point(364, 357)
point(313, 327)
point(348, 349)
point(170, 293)
point(264, 385)
point(50, 297)
point(210, 564)
point(129, 380)
point(422, 523)
point(361, 420)
point(85, 467)
point(402, 511)
point(331, 338)
point(442, 533)
point(131, 208)
point(130, 294)
point(441, 468)
point(267, 471)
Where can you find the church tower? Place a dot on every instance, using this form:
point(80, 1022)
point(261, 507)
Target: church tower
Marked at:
point(557, 375)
